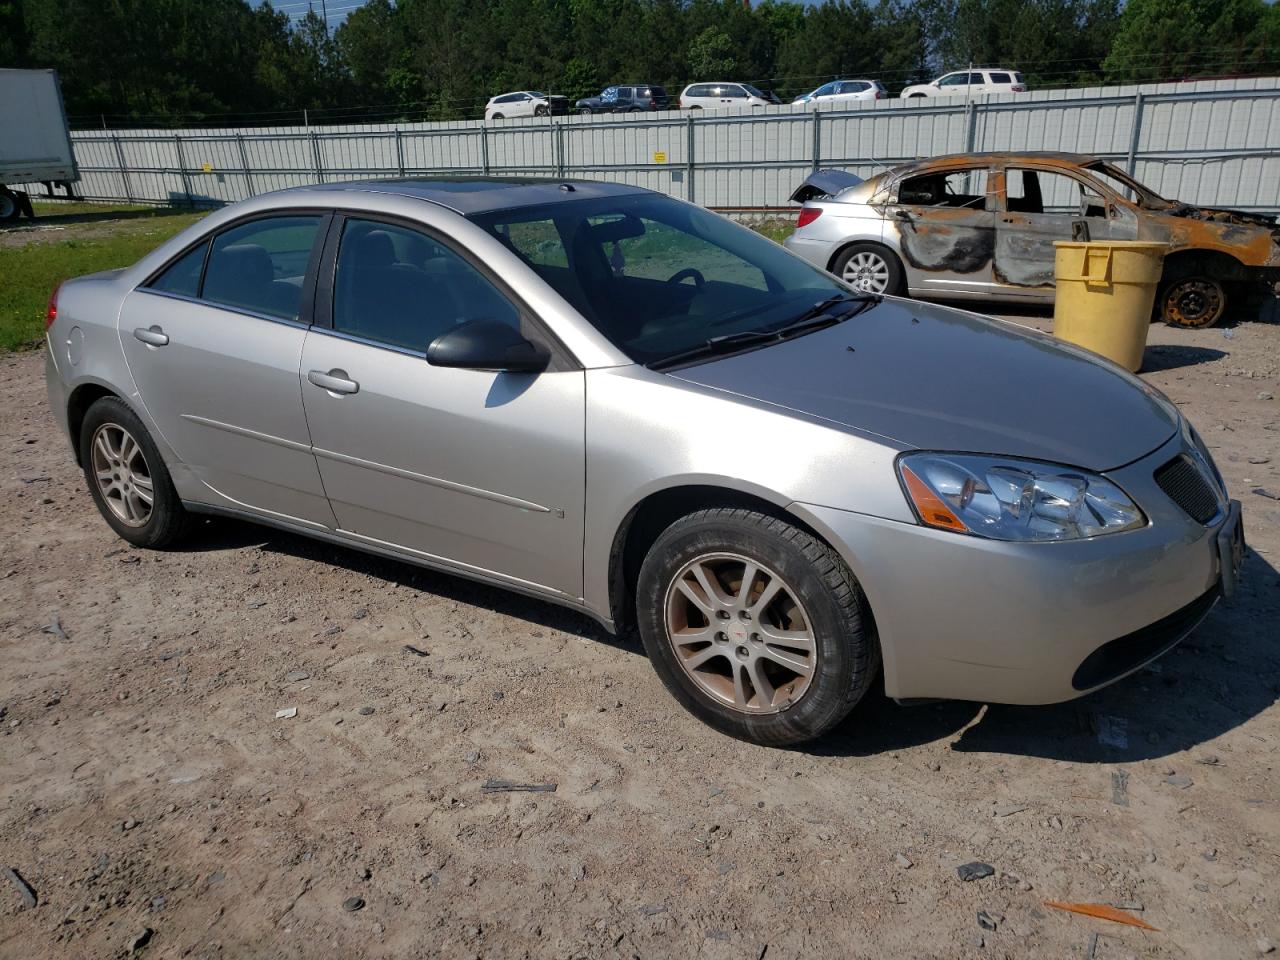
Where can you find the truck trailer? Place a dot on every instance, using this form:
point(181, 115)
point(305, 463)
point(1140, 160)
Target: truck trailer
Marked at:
point(35, 145)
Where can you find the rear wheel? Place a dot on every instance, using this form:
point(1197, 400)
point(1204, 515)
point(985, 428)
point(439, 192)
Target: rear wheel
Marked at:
point(541, 111)
point(496, 116)
point(755, 626)
point(869, 268)
point(127, 478)
point(9, 207)
point(584, 111)
point(1192, 302)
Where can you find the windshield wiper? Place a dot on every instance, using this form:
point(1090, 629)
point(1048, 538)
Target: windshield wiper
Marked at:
point(725, 343)
point(821, 314)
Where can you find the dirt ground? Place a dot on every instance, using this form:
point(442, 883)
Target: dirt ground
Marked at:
point(156, 806)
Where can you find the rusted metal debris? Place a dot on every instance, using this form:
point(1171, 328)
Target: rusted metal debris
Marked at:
point(509, 786)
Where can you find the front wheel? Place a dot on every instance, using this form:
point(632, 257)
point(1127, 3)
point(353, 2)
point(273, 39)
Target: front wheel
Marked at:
point(755, 626)
point(869, 268)
point(9, 207)
point(127, 478)
point(1192, 302)
point(541, 111)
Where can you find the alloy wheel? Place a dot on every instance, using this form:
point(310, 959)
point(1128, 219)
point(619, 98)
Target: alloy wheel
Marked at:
point(740, 633)
point(122, 474)
point(867, 272)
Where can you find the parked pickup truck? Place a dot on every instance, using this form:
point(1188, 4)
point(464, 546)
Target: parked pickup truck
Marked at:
point(35, 146)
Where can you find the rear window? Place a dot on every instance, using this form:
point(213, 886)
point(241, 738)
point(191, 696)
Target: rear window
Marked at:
point(1017, 78)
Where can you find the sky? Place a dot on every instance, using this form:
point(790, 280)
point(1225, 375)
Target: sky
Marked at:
point(336, 10)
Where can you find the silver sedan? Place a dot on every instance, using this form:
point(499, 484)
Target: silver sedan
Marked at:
point(612, 400)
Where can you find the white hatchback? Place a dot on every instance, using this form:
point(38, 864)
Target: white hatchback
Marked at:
point(720, 96)
point(844, 91)
point(965, 83)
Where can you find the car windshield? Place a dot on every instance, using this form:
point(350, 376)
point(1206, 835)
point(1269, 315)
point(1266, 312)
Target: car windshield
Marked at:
point(659, 277)
point(536, 93)
point(753, 91)
point(1127, 187)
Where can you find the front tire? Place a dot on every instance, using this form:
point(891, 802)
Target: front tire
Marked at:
point(869, 268)
point(1192, 302)
point(755, 626)
point(10, 209)
point(541, 111)
point(127, 478)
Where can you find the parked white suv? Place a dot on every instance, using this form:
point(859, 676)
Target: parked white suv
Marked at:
point(963, 83)
point(844, 91)
point(524, 103)
point(720, 96)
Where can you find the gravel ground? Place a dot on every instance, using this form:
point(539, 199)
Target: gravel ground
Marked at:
point(154, 802)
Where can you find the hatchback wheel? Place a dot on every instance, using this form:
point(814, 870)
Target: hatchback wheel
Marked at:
point(1192, 302)
point(755, 626)
point(869, 268)
point(127, 479)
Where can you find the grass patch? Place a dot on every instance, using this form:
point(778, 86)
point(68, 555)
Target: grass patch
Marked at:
point(28, 273)
point(45, 209)
point(776, 229)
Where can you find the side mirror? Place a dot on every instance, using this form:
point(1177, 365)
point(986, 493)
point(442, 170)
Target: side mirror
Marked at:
point(487, 345)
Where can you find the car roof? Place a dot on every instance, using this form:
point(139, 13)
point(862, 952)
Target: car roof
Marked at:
point(474, 195)
point(1054, 158)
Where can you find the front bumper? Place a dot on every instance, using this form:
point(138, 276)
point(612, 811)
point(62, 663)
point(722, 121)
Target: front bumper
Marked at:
point(966, 618)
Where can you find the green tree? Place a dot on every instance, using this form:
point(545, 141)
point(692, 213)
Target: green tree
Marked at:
point(712, 55)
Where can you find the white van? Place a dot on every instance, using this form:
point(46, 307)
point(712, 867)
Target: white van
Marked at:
point(719, 96)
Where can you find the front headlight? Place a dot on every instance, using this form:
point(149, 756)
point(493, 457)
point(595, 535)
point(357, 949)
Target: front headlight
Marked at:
point(1004, 498)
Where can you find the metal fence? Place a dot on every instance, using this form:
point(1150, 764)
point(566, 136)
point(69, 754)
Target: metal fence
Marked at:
point(1205, 142)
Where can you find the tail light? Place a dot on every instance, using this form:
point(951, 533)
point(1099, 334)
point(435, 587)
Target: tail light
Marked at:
point(879, 95)
point(1019, 88)
point(680, 104)
point(807, 216)
point(51, 311)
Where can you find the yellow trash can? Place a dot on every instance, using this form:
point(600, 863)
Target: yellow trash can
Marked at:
point(1106, 289)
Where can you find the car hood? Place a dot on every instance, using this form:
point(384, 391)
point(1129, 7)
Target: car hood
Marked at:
point(935, 378)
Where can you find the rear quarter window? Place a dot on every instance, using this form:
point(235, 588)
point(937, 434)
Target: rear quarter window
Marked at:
point(1001, 78)
point(182, 277)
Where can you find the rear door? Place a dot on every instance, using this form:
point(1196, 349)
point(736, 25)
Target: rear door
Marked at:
point(213, 342)
point(945, 222)
point(481, 469)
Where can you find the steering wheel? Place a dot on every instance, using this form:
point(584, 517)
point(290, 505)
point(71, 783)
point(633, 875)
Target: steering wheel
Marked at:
point(698, 279)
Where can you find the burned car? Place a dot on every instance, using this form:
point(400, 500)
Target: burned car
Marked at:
point(982, 226)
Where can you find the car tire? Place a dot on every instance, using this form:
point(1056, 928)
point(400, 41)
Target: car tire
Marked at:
point(915, 96)
point(1192, 302)
point(805, 588)
point(584, 111)
point(496, 116)
point(120, 460)
point(541, 111)
point(872, 268)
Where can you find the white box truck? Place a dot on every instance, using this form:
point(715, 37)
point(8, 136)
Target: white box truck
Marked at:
point(35, 146)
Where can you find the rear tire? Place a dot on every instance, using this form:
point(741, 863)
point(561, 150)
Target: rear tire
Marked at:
point(541, 111)
point(496, 116)
point(10, 209)
point(123, 469)
point(801, 606)
point(869, 268)
point(1192, 302)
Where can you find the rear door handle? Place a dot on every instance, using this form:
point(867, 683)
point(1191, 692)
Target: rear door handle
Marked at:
point(335, 381)
point(152, 336)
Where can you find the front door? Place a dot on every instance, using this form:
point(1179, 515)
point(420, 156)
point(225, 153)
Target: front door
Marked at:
point(945, 223)
point(480, 469)
point(1041, 206)
point(213, 344)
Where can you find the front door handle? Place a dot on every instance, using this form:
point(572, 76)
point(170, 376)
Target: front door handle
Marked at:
point(335, 381)
point(152, 336)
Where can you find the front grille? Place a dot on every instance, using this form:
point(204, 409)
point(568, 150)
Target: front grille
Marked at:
point(1118, 657)
point(1188, 488)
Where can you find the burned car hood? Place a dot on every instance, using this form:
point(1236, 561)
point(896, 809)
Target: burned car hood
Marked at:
point(934, 378)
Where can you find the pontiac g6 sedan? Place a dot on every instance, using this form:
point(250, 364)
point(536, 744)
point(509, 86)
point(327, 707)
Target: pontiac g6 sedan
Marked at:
point(623, 403)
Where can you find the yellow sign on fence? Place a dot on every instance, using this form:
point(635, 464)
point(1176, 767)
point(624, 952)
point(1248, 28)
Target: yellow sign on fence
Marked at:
point(207, 167)
point(659, 156)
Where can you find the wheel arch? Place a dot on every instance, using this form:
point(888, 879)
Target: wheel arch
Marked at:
point(1194, 261)
point(656, 511)
point(81, 399)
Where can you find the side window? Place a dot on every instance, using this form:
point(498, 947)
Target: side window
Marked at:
point(954, 80)
point(852, 86)
point(736, 92)
point(183, 275)
point(1042, 191)
point(399, 287)
point(1001, 78)
point(625, 93)
point(825, 90)
point(260, 265)
point(955, 188)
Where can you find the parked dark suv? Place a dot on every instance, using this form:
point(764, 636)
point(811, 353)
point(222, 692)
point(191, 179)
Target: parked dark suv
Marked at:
point(630, 98)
